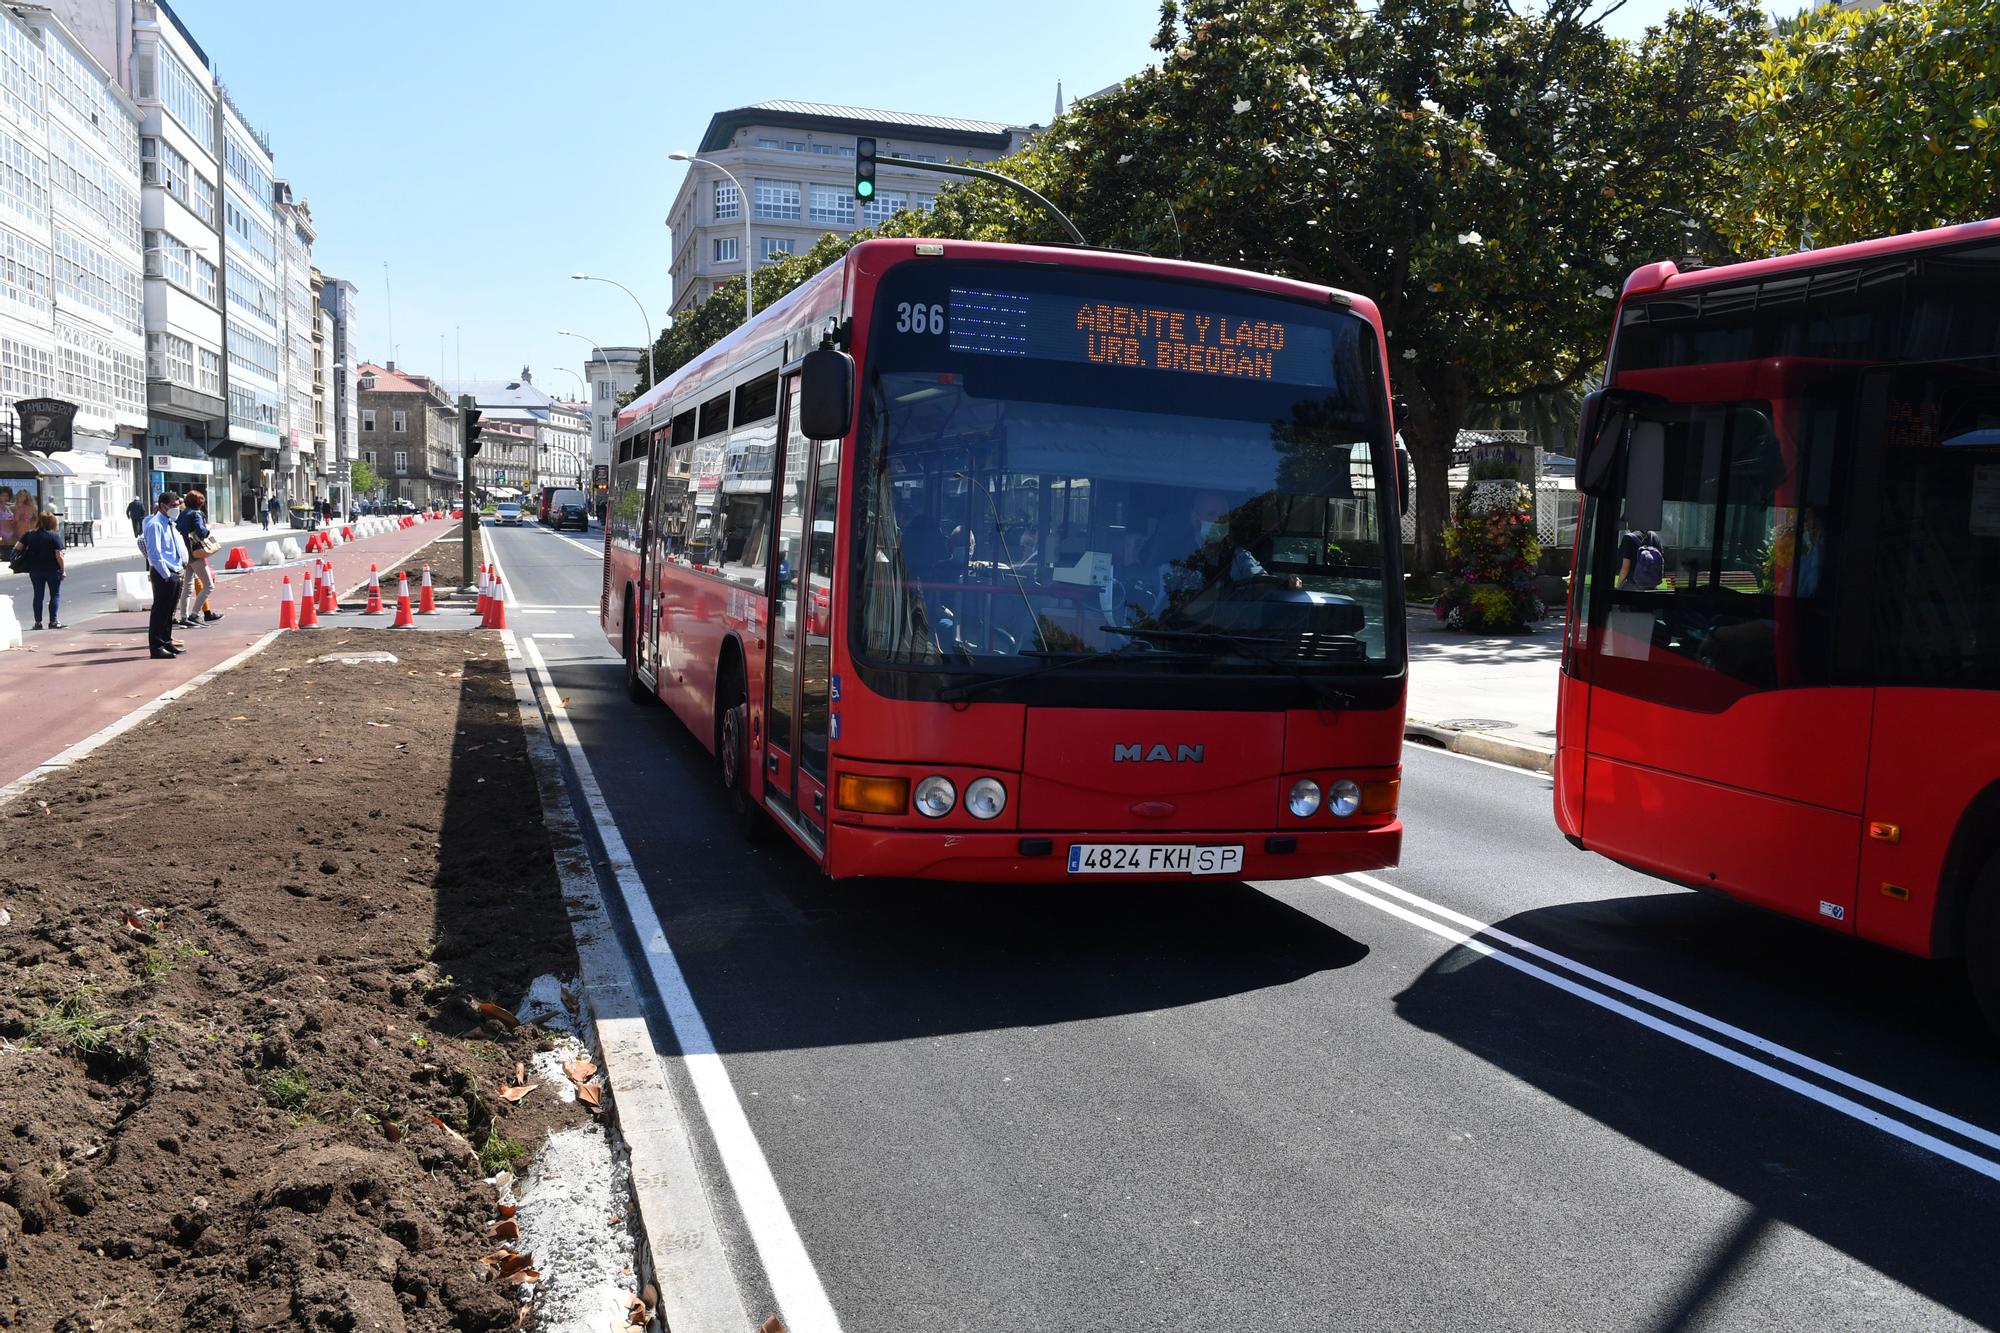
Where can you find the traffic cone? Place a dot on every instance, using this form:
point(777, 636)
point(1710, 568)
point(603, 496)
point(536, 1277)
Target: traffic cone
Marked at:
point(427, 599)
point(402, 620)
point(288, 609)
point(374, 607)
point(485, 594)
point(329, 601)
point(309, 603)
point(497, 607)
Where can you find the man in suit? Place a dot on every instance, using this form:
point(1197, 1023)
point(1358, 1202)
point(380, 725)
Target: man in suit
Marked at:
point(166, 557)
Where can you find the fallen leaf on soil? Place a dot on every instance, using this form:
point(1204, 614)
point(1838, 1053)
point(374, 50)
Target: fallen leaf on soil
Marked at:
point(505, 1210)
point(392, 1131)
point(580, 1071)
point(455, 1137)
point(515, 1094)
point(490, 1010)
point(239, 718)
point(511, 1267)
point(505, 1229)
point(520, 1072)
point(772, 1325)
point(590, 1095)
point(134, 924)
point(614, 1219)
point(636, 1313)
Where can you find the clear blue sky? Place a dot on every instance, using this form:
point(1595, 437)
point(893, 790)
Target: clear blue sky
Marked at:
point(487, 151)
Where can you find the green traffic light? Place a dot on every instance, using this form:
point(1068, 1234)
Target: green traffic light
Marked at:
point(866, 189)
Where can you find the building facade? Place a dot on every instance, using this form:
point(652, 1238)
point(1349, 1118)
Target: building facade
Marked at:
point(567, 462)
point(71, 323)
point(253, 322)
point(504, 467)
point(409, 434)
point(343, 412)
point(611, 373)
point(796, 160)
point(298, 314)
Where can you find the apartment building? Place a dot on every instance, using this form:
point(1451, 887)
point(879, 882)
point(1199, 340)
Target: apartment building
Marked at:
point(611, 373)
point(408, 434)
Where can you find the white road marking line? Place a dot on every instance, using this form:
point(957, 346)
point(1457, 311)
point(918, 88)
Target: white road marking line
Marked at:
point(586, 547)
point(538, 634)
point(794, 1282)
point(1474, 759)
point(1833, 1101)
point(1942, 1119)
point(552, 607)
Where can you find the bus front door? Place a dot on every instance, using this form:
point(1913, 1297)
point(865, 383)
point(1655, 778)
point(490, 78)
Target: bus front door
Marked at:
point(797, 714)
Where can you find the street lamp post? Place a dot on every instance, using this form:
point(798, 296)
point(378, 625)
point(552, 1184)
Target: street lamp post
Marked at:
point(643, 318)
point(742, 202)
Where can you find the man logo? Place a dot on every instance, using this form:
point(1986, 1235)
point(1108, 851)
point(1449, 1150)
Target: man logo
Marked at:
point(1156, 754)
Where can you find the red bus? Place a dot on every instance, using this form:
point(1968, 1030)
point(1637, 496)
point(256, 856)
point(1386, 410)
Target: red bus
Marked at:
point(1782, 672)
point(1009, 563)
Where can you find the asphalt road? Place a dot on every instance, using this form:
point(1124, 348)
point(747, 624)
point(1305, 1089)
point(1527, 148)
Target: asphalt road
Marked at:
point(1302, 1104)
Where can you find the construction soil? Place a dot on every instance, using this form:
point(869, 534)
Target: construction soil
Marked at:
point(256, 958)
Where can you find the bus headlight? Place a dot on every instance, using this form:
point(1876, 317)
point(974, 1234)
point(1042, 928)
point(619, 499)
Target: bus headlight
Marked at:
point(1343, 798)
point(985, 798)
point(1304, 798)
point(936, 796)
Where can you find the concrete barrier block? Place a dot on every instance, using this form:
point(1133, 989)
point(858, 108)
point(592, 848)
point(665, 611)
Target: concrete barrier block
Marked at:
point(10, 626)
point(270, 555)
point(135, 590)
point(291, 548)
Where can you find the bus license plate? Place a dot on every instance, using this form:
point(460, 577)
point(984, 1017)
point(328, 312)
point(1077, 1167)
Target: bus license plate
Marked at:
point(1139, 858)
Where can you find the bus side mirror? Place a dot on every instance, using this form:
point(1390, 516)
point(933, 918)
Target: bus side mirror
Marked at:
point(826, 394)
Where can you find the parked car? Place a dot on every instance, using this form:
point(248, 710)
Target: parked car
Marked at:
point(400, 507)
point(570, 513)
point(508, 514)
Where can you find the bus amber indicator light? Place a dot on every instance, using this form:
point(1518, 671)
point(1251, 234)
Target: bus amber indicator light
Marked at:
point(872, 796)
point(1379, 798)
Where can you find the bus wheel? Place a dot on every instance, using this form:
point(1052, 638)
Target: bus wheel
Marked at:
point(636, 688)
point(1982, 943)
point(732, 752)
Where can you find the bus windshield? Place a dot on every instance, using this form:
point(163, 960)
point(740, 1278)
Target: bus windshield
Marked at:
point(1062, 463)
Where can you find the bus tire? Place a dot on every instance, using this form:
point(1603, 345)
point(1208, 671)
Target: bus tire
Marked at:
point(732, 755)
point(635, 689)
point(1982, 943)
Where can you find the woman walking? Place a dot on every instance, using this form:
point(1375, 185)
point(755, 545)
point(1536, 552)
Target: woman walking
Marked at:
point(43, 549)
point(194, 529)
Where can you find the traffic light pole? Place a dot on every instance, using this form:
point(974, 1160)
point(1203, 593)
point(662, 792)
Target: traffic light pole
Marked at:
point(468, 528)
point(952, 169)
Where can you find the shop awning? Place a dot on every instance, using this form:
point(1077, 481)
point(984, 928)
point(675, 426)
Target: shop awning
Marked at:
point(14, 463)
point(122, 451)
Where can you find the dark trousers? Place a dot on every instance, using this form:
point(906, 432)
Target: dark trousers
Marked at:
point(50, 583)
point(166, 600)
point(138, 525)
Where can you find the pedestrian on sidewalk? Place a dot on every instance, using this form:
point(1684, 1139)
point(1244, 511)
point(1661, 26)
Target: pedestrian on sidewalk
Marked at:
point(42, 552)
point(197, 582)
point(166, 555)
point(136, 511)
point(271, 511)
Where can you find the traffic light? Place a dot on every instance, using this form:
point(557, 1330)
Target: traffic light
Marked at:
point(471, 418)
point(864, 169)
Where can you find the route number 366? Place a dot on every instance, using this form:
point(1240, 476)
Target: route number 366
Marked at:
point(916, 317)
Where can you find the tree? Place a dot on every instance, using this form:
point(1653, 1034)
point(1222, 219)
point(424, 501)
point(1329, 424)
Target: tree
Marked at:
point(1858, 124)
point(361, 478)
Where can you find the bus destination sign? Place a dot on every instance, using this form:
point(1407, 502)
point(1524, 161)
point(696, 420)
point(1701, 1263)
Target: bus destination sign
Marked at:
point(1140, 337)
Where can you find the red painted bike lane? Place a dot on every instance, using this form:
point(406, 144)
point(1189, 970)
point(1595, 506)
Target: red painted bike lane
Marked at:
point(67, 684)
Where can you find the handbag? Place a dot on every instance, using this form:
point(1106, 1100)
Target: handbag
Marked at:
point(17, 559)
point(210, 544)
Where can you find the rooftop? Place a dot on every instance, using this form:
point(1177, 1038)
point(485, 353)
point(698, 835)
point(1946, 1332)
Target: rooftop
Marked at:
point(722, 127)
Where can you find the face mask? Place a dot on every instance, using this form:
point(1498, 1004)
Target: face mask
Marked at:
point(173, 511)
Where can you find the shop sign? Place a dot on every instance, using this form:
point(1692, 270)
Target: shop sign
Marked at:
point(46, 424)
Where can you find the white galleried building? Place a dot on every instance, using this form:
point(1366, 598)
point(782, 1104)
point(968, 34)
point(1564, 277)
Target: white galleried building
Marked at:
point(797, 161)
point(71, 325)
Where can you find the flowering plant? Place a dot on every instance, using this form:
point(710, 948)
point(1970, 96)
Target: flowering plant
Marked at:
point(1491, 552)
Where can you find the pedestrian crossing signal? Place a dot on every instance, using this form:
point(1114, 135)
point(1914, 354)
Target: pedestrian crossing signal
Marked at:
point(864, 169)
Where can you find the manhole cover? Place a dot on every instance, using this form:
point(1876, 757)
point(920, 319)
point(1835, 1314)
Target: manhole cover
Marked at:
point(356, 659)
point(1475, 724)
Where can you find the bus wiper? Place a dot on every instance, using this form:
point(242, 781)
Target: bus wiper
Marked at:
point(1054, 661)
point(1324, 692)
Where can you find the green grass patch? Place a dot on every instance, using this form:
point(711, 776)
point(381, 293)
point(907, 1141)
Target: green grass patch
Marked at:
point(498, 1154)
point(75, 1023)
point(289, 1090)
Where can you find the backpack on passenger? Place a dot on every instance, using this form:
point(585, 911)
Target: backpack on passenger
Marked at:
point(1650, 569)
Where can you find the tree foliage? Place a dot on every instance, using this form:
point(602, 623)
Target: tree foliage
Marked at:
point(1859, 124)
point(1486, 177)
point(361, 478)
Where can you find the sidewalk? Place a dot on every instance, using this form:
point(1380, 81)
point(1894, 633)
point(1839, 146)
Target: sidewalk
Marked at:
point(1490, 696)
point(64, 685)
point(117, 547)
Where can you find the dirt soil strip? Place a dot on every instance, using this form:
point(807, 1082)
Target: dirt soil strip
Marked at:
point(244, 1079)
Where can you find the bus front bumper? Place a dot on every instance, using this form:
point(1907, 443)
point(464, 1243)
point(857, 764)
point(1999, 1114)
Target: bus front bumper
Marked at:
point(1044, 858)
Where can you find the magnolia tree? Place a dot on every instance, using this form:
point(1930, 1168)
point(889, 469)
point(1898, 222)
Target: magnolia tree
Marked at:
point(1858, 124)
